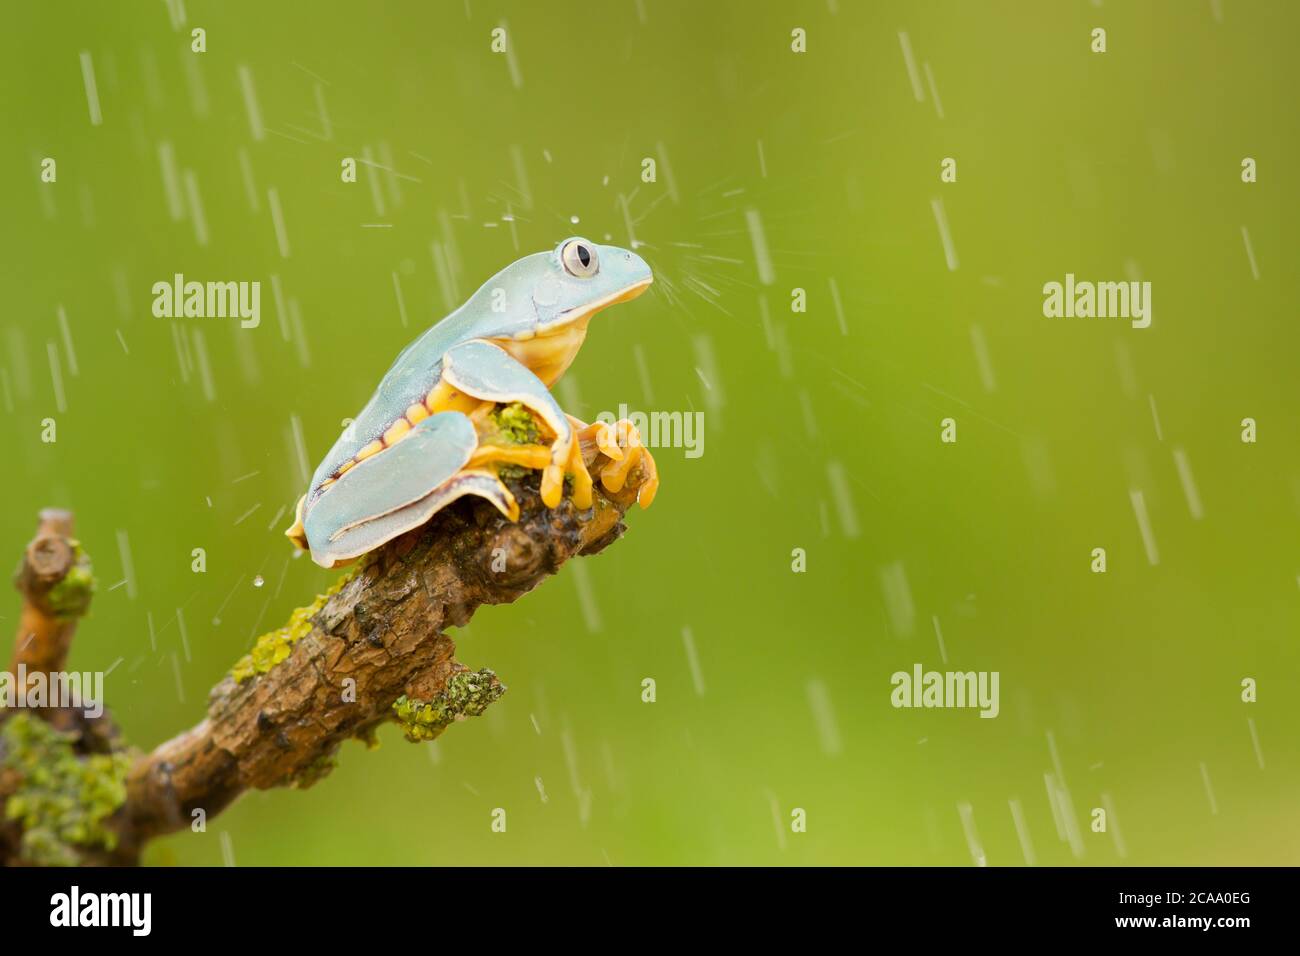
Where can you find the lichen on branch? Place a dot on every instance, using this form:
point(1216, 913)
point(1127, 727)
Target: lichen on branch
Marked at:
point(61, 800)
point(465, 694)
point(275, 646)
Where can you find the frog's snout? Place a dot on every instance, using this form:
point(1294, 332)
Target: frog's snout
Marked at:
point(637, 269)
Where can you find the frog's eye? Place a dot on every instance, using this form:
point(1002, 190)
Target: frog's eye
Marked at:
point(579, 258)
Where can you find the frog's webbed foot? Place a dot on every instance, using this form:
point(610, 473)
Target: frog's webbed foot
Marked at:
point(621, 443)
point(538, 457)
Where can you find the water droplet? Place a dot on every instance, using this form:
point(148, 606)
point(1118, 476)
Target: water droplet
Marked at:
point(258, 582)
point(573, 219)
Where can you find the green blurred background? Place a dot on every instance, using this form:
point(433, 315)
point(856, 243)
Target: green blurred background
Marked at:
point(180, 434)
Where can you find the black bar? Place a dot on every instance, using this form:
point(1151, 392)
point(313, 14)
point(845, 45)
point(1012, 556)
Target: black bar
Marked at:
point(575, 905)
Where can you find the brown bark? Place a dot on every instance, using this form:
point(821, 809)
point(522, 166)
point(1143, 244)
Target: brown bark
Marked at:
point(383, 630)
point(44, 634)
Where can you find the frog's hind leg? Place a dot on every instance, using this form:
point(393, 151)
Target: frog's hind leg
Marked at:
point(390, 492)
point(370, 535)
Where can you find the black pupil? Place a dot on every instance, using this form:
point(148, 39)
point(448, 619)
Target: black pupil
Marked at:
point(584, 256)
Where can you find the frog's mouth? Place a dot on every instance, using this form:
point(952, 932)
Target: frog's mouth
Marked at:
point(583, 313)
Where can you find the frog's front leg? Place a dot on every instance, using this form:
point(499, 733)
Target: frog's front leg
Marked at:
point(484, 371)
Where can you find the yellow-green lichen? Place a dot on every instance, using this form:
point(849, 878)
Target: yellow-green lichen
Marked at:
point(71, 596)
point(516, 425)
point(467, 694)
point(274, 646)
point(513, 424)
point(62, 801)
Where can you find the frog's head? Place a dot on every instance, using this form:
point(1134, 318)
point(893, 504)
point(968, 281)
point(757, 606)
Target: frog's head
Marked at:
point(580, 278)
point(548, 292)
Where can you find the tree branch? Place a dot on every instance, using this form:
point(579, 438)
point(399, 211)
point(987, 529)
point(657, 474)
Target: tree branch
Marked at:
point(52, 602)
point(372, 649)
point(378, 638)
